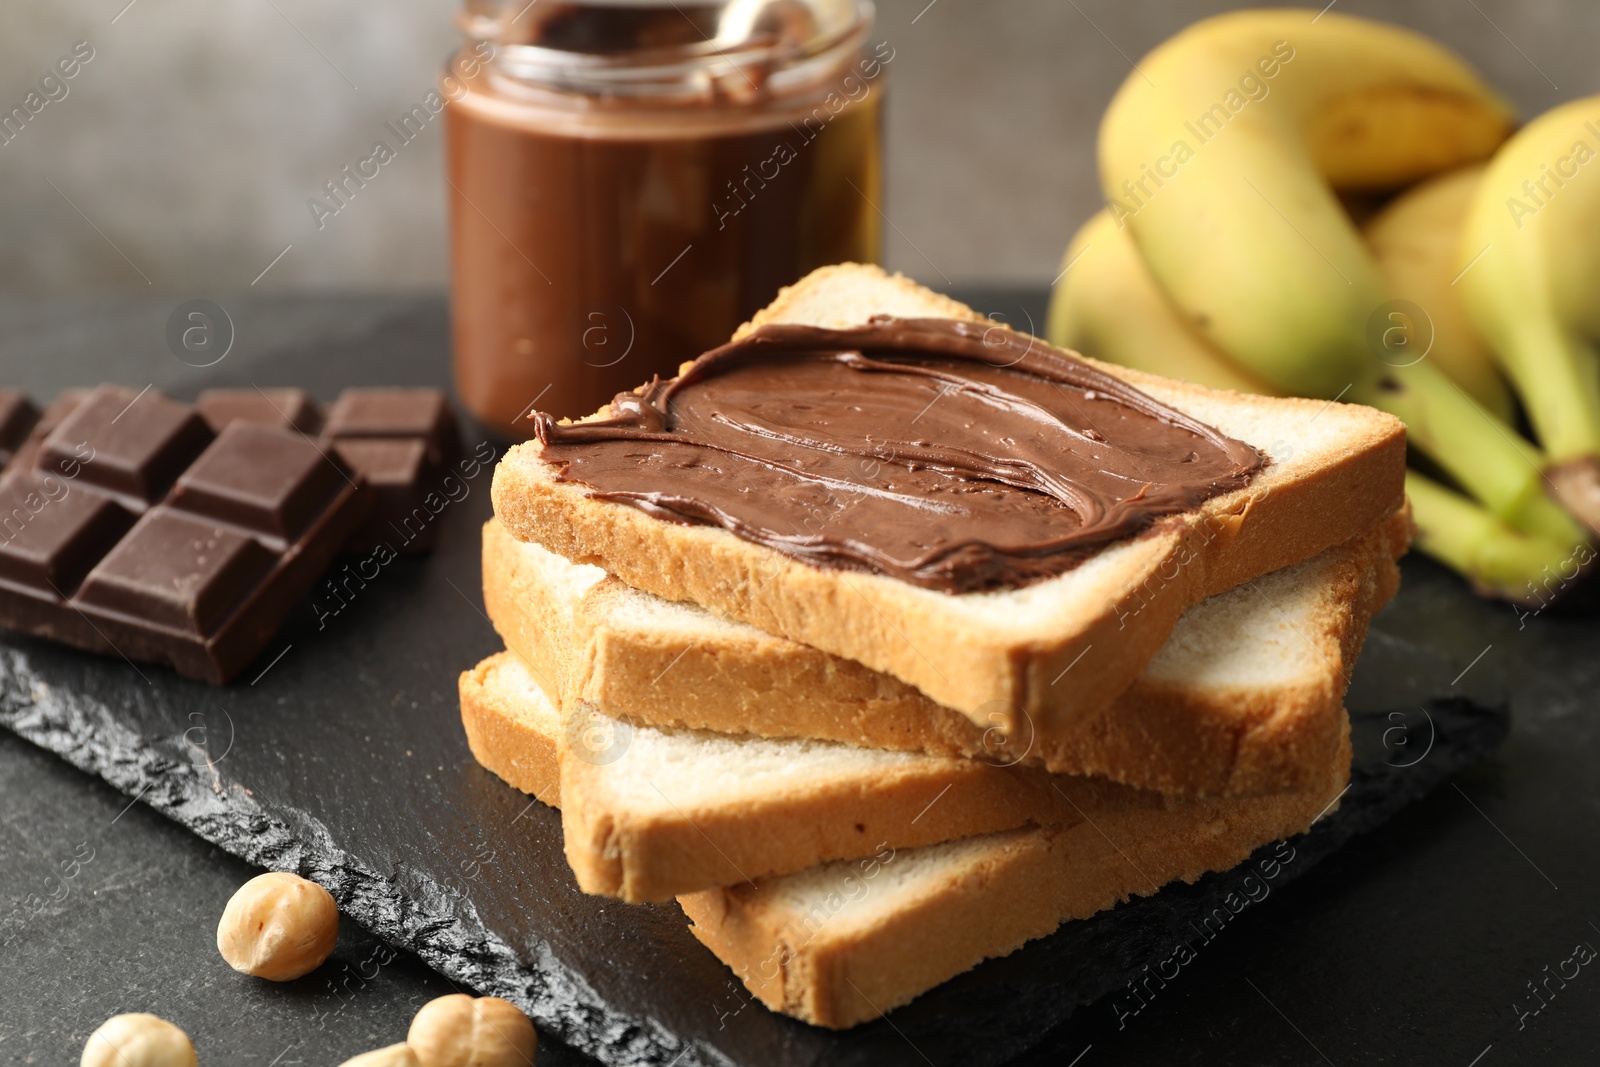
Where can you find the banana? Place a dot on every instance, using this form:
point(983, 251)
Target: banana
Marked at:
point(1530, 257)
point(1107, 305)
point(1222, 149)
point(1414, 241)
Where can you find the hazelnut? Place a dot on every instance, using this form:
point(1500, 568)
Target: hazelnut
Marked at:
point(137, 1040)
point(394, 1056)
point(278, 926)
point(463, 1031)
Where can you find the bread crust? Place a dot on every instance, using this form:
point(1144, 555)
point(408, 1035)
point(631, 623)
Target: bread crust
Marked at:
point(1084, 636)
point(1158, 734)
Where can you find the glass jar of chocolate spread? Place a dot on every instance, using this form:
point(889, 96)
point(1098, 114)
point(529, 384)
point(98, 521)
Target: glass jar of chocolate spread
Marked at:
point(630, 180)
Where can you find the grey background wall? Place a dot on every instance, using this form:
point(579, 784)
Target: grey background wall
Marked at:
point(182, 155)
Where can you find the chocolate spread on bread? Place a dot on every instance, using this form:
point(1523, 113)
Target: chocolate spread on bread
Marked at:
point(956, 456)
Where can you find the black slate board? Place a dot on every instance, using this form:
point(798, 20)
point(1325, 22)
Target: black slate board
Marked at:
point(368, 788)
point(344, 759)
point(340, 756)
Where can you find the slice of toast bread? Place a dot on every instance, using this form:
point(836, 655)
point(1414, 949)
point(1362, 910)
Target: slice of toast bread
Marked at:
point(649, 813)
point(1244, 698)
point(841, 942)
point(1041, 656)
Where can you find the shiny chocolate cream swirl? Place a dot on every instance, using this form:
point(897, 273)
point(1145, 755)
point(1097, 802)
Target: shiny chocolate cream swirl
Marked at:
point(953, 455)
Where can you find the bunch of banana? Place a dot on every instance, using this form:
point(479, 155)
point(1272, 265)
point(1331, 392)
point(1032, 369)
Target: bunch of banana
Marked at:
point(1225, 255)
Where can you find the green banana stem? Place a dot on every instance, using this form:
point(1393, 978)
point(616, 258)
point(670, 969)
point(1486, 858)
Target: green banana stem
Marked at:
point(1485, 456)
point(1558, 375)
point(1499, 561)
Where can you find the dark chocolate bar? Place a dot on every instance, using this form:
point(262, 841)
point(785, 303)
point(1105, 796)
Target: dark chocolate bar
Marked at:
point(139, 531)
point(401, 440)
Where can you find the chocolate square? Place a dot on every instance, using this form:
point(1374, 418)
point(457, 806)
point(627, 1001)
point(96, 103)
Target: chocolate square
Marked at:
point(397, 470)
point(130, 444)
point(179, 572)
point(387, 462)
point(422, 413)
point(289, 409)
point(51, 534)
point(56, 412)
point(272, 482)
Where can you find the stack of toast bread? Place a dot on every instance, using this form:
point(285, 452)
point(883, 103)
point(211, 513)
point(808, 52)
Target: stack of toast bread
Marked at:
point(857, 787)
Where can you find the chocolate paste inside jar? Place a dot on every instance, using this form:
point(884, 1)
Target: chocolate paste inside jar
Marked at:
point(592, 247)
point(955, 456)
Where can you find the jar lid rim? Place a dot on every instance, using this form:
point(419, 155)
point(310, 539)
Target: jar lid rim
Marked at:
point(757, 68)
point(597, 35)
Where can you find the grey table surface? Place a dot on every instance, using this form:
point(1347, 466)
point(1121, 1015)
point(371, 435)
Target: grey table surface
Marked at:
point(1431, 932)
